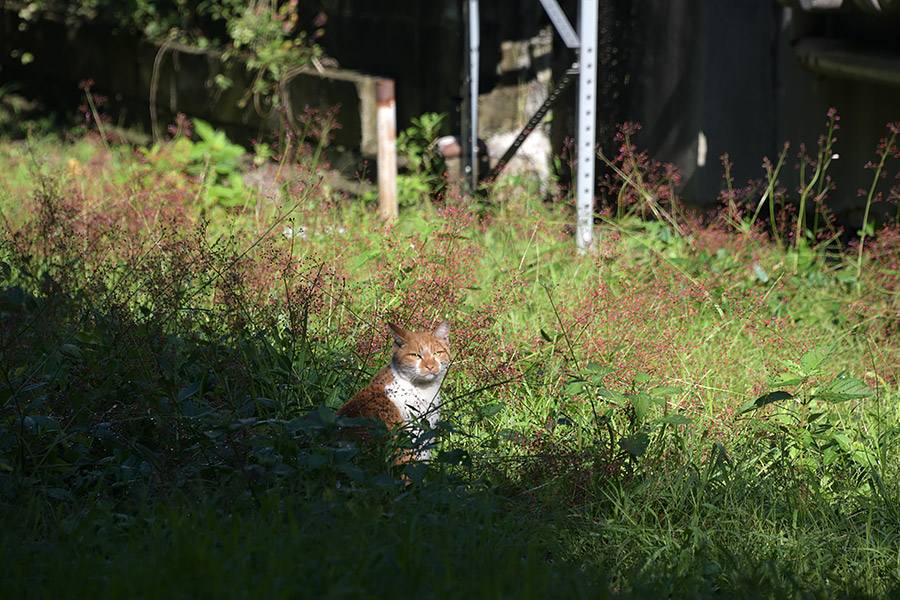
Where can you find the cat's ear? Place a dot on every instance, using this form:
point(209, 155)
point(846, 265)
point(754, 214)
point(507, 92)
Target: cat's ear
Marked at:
point(442, 332)
point(400, 334)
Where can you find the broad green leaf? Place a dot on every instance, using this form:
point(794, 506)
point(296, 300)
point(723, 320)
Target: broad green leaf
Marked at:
point(353, 472)
point(764, 400)
point(490, 410)
point(813, 360)
point(843, 441)
point(595, 368)
point(416, 472)
point(641, 377)
point(666, 390)
point(204, 130)
point(46, 423)
point(609, 395)
point(188, 391)
point(457, 456)
point(865, 457)
point(598, 372)
point(71, 351)
point(88, 337)
point(785, 379)
point(793, 366)
point(641, 403)
point(509, 435)
point(576, 387)
point(844, 388)
point(674, 420)
point(635, 445)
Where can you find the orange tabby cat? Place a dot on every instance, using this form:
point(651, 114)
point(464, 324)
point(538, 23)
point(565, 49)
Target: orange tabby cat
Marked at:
point(407, 390)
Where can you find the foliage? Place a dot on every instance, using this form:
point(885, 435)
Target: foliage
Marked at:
point(416, 144)
point(268, 35)
point(695, 410)
point(265, 33)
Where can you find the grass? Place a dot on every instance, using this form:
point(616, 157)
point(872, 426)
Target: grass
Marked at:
point(700, 408)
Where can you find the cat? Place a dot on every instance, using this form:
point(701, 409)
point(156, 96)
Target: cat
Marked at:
point(408, 390)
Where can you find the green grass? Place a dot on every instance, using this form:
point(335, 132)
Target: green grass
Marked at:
point(693, 410)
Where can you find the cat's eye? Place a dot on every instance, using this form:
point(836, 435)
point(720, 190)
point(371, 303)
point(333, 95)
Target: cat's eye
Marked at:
point(439, 352)
point(414, 355)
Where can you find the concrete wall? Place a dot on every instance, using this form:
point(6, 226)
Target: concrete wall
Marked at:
point(181, 80)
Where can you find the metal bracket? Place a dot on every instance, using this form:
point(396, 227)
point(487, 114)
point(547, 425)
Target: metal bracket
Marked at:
point(564, 83)
point(561, 23)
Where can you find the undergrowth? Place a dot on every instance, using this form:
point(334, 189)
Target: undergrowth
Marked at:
point(700, 408)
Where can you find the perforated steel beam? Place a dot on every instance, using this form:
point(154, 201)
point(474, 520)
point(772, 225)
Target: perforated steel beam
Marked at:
point(585, 137)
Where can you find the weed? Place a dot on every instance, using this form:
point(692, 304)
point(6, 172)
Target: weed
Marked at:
point(698, 409)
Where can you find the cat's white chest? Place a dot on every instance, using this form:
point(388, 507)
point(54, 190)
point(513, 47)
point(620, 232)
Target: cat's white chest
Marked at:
point(413, 401)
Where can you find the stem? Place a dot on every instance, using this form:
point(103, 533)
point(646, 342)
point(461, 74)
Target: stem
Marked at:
point(865, 223)
point(772, 179)
point(96, 114)
point(823, 160)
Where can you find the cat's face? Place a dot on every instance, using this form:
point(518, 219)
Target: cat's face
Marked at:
point(422, 356)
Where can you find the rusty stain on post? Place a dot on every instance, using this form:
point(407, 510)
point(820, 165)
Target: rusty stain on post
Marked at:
point(387, 149)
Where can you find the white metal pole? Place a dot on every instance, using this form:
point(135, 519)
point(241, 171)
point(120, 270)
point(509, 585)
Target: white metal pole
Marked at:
point(386, 124)
point(588, 17)
point(474, 49)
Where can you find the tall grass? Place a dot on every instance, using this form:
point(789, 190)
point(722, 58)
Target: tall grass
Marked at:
point(695, 410)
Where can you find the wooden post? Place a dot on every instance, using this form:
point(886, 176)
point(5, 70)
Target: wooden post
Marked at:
point(387, 149)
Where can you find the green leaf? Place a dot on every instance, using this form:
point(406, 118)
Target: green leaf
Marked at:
point(188, 391)
point(576, 387)
point(595, 368)
point(425, 228)
point(598, 372)
point(351, 471)
point(674, 420)
point(844, 388)
point(609, 395)
point(416, 472)
point(635, 445)
point(764, 400)
point(510, 435)
point(785, 379)
point(456, 456)
point(842, 440)
point(314, 461)
point(641, 377)
point(864, 457)
point(204, 130)
point(813, 360)
point(490, 410)
point(71, 351)
point(641, 403)
point(88, 337)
